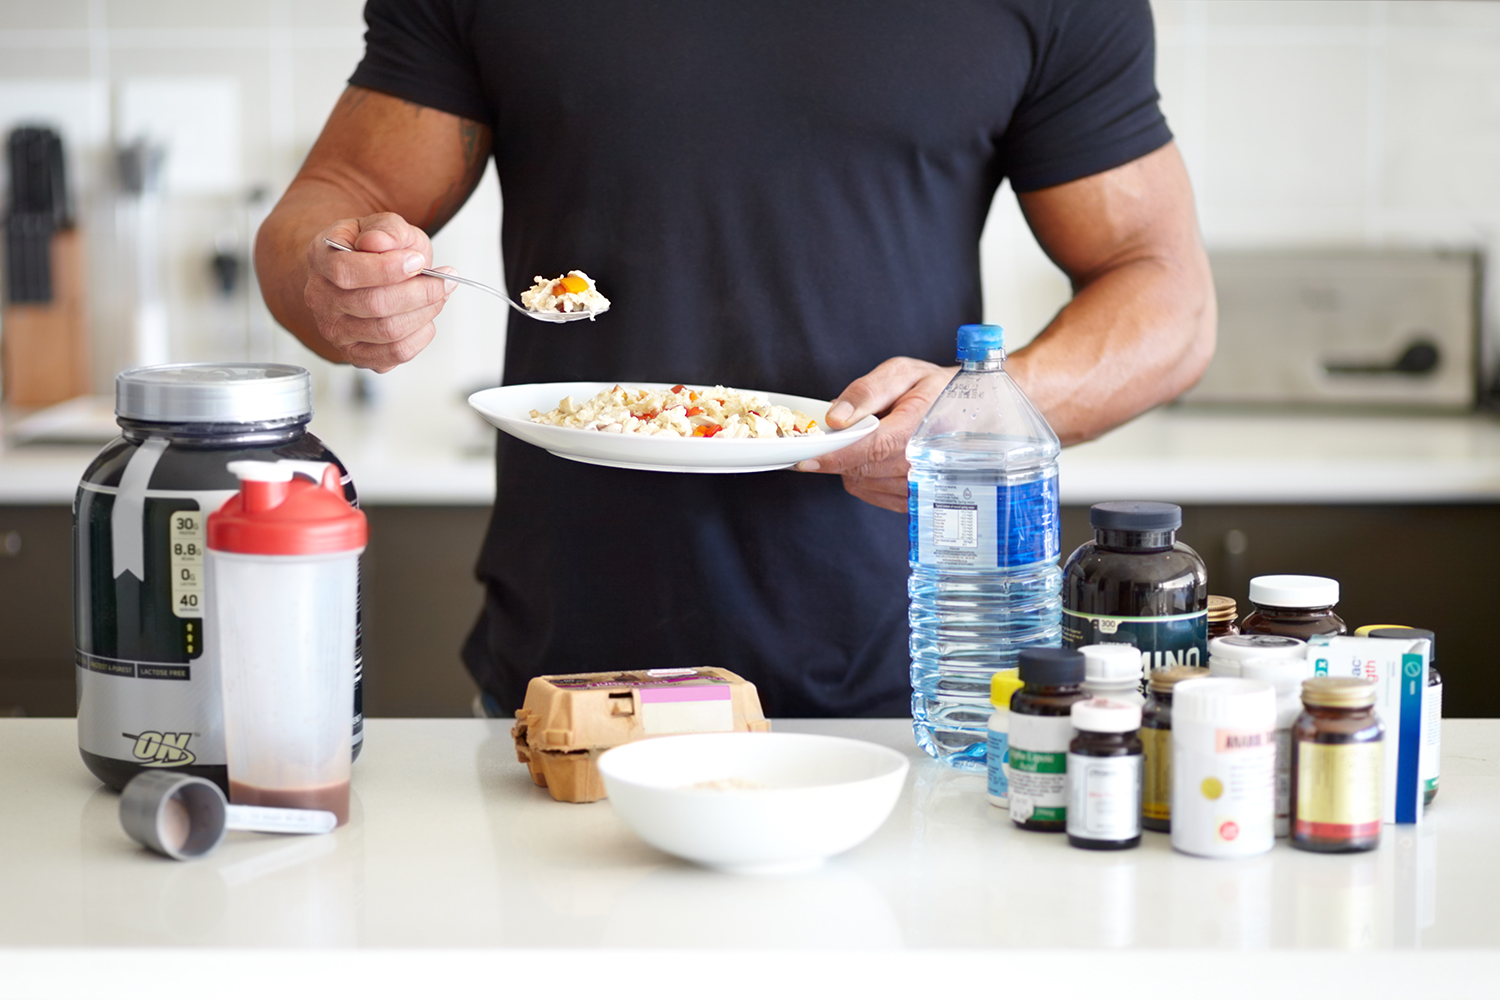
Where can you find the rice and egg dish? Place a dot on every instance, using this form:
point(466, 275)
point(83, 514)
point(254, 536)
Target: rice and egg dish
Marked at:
point(680, 412)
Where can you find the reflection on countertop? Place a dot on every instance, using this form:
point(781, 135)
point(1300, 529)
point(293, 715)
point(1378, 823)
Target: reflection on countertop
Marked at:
point(451, 845)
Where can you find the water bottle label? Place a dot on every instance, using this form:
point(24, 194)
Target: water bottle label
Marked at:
point(973, 526)
point(1165, 641)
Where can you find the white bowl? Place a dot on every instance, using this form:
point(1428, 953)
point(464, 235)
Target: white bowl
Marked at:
point(753, 802)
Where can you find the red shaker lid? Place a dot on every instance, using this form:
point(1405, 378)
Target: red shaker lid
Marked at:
point(275, 514)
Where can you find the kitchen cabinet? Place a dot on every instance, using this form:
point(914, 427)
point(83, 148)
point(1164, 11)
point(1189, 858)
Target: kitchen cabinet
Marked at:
point(1430, 565)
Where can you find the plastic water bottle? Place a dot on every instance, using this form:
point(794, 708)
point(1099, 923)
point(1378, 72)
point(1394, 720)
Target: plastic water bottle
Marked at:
point(982, 504)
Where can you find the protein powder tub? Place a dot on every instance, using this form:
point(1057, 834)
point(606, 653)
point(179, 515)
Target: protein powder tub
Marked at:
point(1041, 728)
point(1104, 776)
point(1225, 655)
point(1338, 767)
point(1298, 606)
point(148, 695)
point(1136, 584)
point(1223, 767)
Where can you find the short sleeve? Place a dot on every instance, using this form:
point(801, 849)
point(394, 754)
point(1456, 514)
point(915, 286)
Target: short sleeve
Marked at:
point(1090, 103)
point(416, 50)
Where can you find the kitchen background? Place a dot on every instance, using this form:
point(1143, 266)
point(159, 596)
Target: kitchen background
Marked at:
point(1306, 125)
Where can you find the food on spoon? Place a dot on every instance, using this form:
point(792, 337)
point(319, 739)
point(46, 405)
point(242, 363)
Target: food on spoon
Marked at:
point(570, 293)
point(680, 412)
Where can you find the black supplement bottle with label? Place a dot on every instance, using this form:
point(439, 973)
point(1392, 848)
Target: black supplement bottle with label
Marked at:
point(148, 693)
point(1136, 583)
point(1041, 729)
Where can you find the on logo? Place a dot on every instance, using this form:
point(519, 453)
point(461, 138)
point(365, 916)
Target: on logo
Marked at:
point(161, 749)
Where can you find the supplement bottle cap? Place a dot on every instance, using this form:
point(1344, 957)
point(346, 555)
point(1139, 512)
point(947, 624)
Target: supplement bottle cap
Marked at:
point(977, 340)
point(1136, 515)
point(1284, 675)
point(1002, 685)
point(1294, 591)
point(1338, 692)
point(214, 393)
point(1111, 661)
point(1222, 609)
point(1165, 680)
point(1230, 702)
point(1100, 715)
point(1243, 648)
point(1403, 632)
point(1048, 666)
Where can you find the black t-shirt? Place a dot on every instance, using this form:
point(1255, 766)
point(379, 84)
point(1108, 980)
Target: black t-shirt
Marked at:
point(775, 195)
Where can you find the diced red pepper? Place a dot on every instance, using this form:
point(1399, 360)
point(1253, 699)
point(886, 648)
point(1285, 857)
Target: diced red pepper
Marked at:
point(693, 411)
point(678, 388)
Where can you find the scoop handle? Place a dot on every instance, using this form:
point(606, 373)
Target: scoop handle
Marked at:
point(265, 819)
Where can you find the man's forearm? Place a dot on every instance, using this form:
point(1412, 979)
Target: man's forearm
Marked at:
point(307, 208)
point(1135, 337)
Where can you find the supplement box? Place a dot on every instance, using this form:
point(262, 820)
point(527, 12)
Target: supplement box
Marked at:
point(1399, 669)
point(568, 720)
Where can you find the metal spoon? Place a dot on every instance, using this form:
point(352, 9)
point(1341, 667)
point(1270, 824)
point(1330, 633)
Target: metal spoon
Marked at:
point(545, 317)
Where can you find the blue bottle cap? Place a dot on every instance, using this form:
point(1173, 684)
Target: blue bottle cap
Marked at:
point(977, 340)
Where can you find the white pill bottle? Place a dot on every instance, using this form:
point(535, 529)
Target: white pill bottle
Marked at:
point(1223, 767)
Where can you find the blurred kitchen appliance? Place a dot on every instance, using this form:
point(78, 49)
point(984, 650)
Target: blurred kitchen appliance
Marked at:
point(1391, 329)
point(138, 222)
point(43, 333)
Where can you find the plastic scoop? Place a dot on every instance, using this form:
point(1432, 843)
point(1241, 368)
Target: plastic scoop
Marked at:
point(185, 817)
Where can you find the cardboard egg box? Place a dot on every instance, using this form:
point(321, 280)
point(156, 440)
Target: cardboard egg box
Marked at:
point(568, 720)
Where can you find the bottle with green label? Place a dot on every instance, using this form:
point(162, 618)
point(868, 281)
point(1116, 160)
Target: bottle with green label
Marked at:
point(1041, 728)
point(1136, 583)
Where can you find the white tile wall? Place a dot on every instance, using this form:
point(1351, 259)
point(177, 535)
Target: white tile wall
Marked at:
point(1352, 122)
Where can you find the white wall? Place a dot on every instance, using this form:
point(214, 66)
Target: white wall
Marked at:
point(1354, 122)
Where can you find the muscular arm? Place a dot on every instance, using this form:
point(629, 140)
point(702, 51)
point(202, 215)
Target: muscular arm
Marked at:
point(1139, 330)
point(383, 176)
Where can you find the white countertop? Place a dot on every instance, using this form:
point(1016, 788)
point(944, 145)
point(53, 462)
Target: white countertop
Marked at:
point(451, 847)
point(443, 455)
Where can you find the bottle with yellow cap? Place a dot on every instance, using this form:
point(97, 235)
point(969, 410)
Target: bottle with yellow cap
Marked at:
point(997, 755)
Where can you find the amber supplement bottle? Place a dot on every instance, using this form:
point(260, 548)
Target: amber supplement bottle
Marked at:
point(1156, 745)
point(1041, 728)
point(1104, 776)
point(1338, 768)
point(1136, 583)
point(1296, 606)
point(1223, 614)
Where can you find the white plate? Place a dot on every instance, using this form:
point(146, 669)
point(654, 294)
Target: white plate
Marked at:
point(509, 408)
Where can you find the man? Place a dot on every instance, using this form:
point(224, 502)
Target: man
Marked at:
point(781, 196)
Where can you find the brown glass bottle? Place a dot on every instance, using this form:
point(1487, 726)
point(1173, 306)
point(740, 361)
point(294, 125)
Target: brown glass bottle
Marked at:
point(1104, 776)
point(1222, 615)
point(1156, 743)
point(1136, 583)
point(1296, 606)
point(1337, 774)
point(1041, 729)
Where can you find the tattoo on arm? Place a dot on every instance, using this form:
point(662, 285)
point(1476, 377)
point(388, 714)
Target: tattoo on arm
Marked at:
point(444, 206)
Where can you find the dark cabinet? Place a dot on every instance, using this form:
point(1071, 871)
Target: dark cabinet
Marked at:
point(1430, 566)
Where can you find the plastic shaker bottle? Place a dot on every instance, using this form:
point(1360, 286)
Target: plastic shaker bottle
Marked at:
point(283, 562)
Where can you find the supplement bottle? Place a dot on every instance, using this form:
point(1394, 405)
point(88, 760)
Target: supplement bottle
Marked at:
point(1041, 728)
point(148, 692)
point(1223, 767)
point(1104, 776)
point(1156, 744)
point(1003, 685)
point(1338, 767)
point(984, 540)
point(1113, 670)
point(1223, 613)
point(1297, 606)
point(1225, 655)
point(1432, 707)
point(1135, 583)
point(1286, 676)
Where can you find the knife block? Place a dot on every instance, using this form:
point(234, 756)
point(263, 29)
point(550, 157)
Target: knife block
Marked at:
point(44, 348)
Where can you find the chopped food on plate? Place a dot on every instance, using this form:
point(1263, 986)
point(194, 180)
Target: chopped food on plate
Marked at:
point(680, 412)
point(571, 293)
